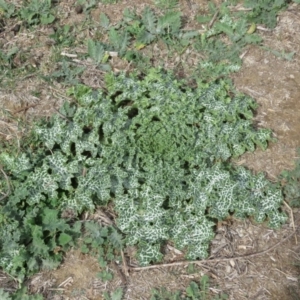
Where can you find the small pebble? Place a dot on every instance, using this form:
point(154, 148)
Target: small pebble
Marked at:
point(79, 9)
point(16, 28)
point(228, 269)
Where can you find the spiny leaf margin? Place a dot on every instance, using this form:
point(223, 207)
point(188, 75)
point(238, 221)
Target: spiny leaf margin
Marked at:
point(159, 151)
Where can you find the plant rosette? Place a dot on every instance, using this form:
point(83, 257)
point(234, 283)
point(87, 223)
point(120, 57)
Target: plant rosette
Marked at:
point(156, 149)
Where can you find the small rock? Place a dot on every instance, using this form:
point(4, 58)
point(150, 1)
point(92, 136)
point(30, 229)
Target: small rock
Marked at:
point(79, 9)
point(16, 28)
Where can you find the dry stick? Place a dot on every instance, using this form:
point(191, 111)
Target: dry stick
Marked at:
point(57, 94)
point(4, 134)
point(8, 185)
point(60, 114)
point(122, 276)
point(124, 263)
point(67, 282)
point(292, 219)
point(212, 21)
point(234, 9)
point(25, 108)
point(7, 136)
point(203, 262)
point(10, 127)
point(125, 266)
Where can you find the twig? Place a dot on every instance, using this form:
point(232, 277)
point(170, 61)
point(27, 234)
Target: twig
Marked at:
point(234, 9)
point(105, 218)
point(25, 108)
point(123, 278)
point(243, 54)
point(11, 127)
point(63, 116)
point(67, 282)
point(56, 93)
point(263, 28)
point(292, 219)
point(125, 267)
point(214, 260)
point(29, 75)
point(212, 21)
point(8, 185)
point(68, 54)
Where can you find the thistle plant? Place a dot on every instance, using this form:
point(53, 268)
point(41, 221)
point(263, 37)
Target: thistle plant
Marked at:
point(154, 148)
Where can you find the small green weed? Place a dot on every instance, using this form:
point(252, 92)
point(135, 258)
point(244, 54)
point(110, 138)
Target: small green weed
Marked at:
point(104, 21)
point(20, 294)
point(291, 184)
point(115, 295)
point(36, 12)
point(7, 9)
point(67, 73)
point(12, 71)
point(35, 238)
point(4, 295)
point(97, 53)
point(136, 32)
point(32, 12)
point(281, 54)
point(166, 4)
point(87, 4)
point(104, 242)
point(264, 11)
point(6, 58)
point(193, 292)
point(210, 71)
point(63, 36)
point(105, 275)
point(236, 29)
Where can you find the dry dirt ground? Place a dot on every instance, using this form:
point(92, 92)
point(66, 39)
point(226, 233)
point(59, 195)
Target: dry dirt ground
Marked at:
point(262, 263)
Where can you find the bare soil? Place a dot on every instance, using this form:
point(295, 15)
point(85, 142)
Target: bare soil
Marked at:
point(265, 272)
